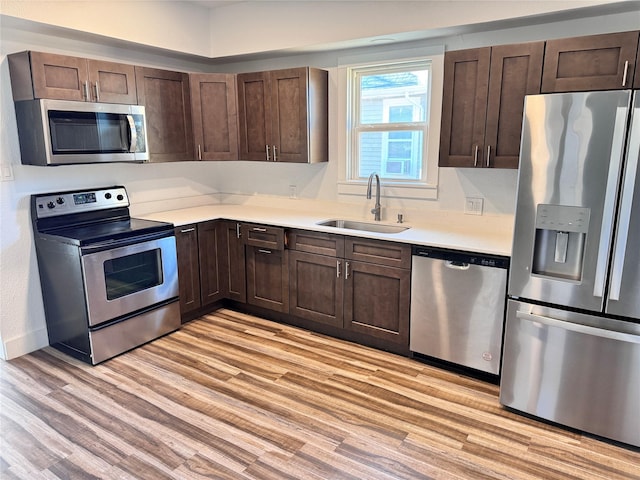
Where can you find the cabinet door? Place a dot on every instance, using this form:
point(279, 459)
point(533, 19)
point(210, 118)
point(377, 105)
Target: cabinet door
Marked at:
point(209, 240)
point(213, 105)
point(232, 255)
point(289, 138)
point(59, 76)
point(112, 82)
point(515, 72)
point(316, 287)
point(254, 116)
point(188, 267)
point(267, 278)
point(595, 62)
point(464, 107)
point(165, 95)
point(376, 301)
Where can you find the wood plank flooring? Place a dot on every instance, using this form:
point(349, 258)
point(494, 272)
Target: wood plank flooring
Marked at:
point(231, 396)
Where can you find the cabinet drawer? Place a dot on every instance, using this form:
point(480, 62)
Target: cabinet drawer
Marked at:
point(263, 236)
point(319, 243)
point(378, 252)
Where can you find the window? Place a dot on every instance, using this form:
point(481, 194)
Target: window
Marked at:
point(390, 121)
point(390, 105)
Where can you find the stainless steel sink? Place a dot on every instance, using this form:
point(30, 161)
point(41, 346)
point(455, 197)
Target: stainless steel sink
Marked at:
point(364, 226)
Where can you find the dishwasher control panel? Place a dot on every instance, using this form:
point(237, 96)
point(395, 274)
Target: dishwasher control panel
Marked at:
point(494, 261)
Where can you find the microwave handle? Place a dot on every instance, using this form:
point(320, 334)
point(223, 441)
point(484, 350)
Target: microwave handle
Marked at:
point(133, 135)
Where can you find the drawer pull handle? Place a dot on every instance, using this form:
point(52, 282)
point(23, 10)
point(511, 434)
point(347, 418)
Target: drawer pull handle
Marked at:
point(187, 230)
point(268, 252)
point(258, 229)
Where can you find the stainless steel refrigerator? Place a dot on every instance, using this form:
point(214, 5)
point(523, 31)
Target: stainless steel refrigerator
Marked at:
point(572, 336)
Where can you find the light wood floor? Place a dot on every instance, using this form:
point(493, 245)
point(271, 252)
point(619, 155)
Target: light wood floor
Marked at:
point(232, 396)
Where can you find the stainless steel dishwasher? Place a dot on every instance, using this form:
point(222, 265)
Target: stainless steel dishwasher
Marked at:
point(458, 307)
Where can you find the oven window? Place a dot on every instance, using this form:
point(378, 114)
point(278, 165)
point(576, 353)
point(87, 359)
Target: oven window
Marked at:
point(133, 273)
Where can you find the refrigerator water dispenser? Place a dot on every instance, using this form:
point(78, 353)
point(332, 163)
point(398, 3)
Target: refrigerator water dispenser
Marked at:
point(558, 250)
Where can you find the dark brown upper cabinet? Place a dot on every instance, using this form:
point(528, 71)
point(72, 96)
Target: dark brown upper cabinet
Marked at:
point(61, 77)
point(167, 101)
point(595, 62)
point(215, 117)
point(483, 103)
point(283, 115)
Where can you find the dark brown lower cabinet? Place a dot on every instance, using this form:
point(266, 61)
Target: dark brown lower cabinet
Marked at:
point(316, 287)
point(365, 292)
point(209, 242)
point(267, 278)
point(188, 267)
point(376, 301)
point(231, 252)
point(199, 265)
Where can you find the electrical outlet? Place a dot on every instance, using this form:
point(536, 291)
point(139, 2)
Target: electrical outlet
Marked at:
point(7, 172)
point(293, 191)
point(473, 205)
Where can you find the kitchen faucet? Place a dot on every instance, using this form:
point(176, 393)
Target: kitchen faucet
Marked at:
point(376, 209)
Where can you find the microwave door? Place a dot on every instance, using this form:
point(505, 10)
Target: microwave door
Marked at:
point(624, 284)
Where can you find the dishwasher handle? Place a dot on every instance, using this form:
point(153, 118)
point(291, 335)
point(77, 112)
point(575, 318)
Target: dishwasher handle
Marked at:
point(455, 265)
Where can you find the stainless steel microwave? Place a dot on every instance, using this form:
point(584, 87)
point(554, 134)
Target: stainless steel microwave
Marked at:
point(62, 132)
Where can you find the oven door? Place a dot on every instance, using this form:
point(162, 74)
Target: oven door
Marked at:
point(123, 280)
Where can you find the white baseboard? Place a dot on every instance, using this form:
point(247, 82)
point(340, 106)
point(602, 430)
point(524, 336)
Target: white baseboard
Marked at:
point(27, 343)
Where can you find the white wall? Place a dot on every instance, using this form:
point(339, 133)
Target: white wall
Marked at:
point(155, 186)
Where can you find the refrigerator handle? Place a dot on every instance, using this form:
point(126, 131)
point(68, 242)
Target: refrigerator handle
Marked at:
point(606, 230)
point(626, 203)
point(578, 327)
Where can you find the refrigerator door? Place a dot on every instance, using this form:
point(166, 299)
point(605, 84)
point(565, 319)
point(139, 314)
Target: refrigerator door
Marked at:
point(570, 161)
point(623, 296)
point(574, 369)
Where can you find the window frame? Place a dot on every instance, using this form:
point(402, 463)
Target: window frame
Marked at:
point(384, 127)
point(427, 187)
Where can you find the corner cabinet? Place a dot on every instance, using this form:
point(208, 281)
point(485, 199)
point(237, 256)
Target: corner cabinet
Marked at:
point(215, 117)
point(483, 103)
point(166, 97)
point(595, 62)
point(283, 115)
point(61, 77)
point(200, 267)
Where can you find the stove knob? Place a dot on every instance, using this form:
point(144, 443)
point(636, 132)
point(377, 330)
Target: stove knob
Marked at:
point(107, 196)
point(120, 197)
point(60, 200)
point(51, 205)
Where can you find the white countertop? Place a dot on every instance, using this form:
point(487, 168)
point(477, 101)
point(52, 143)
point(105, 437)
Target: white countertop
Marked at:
point(482, 234)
